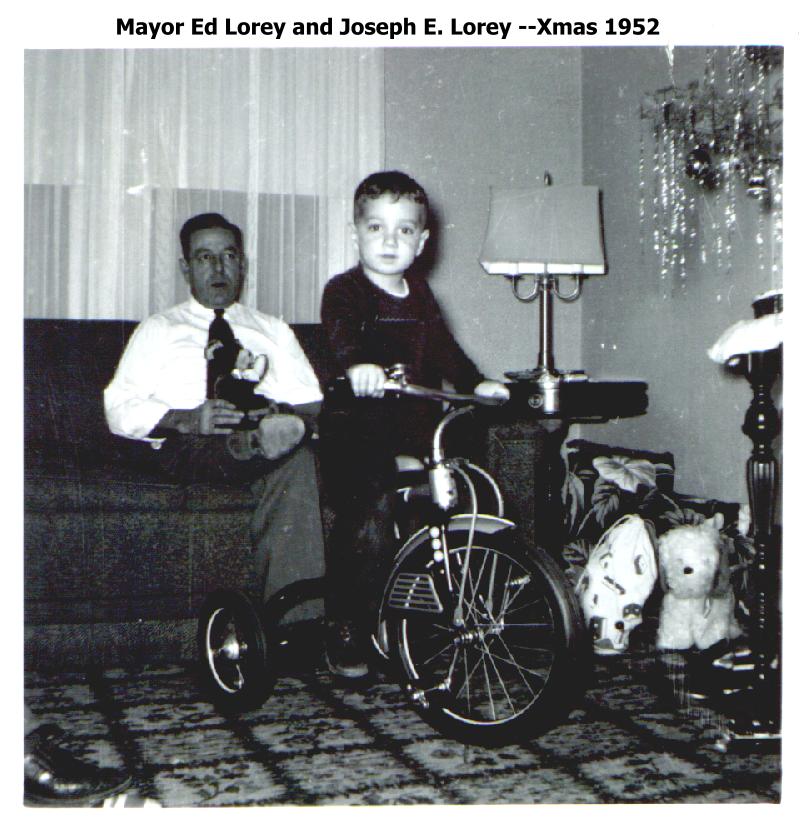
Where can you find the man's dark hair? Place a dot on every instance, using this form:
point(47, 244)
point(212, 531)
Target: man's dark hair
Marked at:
point(207, 221)
point(394, 183)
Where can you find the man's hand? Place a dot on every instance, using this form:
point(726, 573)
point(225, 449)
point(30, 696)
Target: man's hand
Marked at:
point(494, 390)
point(212, 417)
point(217, 416)
point(367, 379)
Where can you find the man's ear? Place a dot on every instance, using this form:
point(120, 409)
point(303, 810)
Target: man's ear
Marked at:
point(422, 243)
point(184, 265)
point(353, 238)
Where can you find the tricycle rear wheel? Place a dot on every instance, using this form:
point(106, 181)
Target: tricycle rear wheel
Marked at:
point(236, 666)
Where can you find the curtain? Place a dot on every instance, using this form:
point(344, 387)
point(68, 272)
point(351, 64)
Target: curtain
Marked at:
point(122, 146)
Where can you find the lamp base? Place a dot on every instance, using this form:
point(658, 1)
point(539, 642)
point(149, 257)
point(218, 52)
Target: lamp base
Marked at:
point(541, 373)
point(526, 374)
point(547, 384)
point(547, 381)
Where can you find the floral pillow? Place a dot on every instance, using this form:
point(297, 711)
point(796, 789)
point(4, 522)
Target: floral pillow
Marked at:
point(604, 483)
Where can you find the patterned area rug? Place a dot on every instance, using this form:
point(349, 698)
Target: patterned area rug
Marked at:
point(314, 742)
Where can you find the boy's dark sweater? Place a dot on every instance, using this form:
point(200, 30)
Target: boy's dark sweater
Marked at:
point(364, 324)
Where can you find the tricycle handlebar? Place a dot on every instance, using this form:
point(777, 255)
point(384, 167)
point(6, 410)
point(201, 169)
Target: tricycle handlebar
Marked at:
point(396, 383)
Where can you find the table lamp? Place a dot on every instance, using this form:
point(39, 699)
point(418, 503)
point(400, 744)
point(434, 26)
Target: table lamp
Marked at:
point(541, 234)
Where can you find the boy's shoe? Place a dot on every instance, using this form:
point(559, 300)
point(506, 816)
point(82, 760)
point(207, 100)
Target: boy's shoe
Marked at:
point(344, 653)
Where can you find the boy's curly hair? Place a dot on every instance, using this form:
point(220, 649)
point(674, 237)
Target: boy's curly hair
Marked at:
point(394, 183)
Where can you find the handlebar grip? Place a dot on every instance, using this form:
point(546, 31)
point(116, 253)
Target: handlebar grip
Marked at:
point(341, 387)
point(488, 401)
point(441, 395)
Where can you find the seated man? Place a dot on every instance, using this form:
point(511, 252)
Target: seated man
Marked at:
point(181, 385)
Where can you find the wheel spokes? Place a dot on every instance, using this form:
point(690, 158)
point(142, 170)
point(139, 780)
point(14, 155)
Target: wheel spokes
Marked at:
point(495, 683)
point(497, 668)
point(439, 653)
point(494, 680)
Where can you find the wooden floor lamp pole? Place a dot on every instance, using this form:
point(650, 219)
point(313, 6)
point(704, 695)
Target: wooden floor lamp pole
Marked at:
point(757, 715)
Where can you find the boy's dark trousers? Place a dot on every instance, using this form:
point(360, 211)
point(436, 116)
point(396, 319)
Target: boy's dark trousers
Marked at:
point(358, 469)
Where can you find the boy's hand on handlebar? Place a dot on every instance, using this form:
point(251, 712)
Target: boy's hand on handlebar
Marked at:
point(367, 379)
point(492, 391)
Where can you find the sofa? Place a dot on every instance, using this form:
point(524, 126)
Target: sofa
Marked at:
point(117, 558)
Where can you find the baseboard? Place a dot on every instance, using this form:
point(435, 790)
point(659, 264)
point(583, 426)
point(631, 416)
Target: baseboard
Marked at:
point(110, 644)
point(62, 646)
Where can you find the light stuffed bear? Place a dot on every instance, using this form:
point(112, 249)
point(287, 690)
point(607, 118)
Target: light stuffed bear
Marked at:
point(698, 605)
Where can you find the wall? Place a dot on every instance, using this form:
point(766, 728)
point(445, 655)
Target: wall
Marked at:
point(461, 120)
point(633, 325)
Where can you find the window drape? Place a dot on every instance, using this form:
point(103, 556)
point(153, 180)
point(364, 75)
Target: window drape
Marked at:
point(122, 146)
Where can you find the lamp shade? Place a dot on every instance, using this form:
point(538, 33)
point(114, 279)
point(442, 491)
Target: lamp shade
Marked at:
point(748, 336)
point(550, 229)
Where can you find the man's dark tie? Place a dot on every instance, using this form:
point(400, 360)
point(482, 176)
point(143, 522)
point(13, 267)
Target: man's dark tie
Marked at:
point(221, 352)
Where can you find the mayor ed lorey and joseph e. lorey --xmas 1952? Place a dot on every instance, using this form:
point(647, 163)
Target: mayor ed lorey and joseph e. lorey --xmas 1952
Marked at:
point(345, 26)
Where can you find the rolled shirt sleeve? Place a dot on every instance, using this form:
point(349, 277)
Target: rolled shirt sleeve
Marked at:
point(131, 405)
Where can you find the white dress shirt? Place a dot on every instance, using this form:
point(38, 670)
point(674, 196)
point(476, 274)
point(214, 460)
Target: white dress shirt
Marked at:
point(163, 366)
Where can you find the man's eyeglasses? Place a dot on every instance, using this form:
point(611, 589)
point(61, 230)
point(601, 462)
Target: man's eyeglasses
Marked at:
point(228, 258)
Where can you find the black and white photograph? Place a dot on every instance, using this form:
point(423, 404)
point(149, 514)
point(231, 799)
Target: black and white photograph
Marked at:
point(403, 409)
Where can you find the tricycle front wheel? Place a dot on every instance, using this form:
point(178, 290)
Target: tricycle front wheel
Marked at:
point(500, 663)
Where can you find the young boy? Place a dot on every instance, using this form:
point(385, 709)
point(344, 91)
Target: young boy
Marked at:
point(376, 315)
